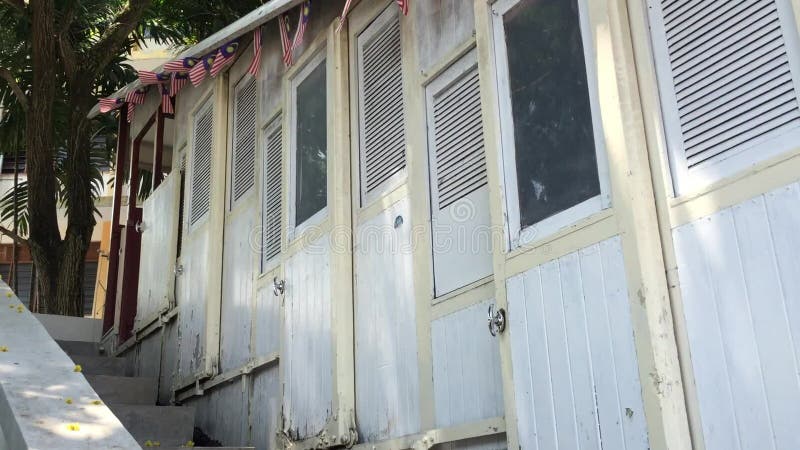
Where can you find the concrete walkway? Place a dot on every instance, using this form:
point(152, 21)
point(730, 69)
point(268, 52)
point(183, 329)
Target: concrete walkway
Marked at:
point(44, 402)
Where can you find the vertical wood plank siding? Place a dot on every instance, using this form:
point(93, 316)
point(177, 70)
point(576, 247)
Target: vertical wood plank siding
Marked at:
point(574, 362)
point(466, 368)
point(307, 359)
point(740, 282)
point(387, 391)
point(237, 290)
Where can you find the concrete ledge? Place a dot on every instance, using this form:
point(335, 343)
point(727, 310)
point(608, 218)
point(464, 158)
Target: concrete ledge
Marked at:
point(36, 379)
point(64, 328)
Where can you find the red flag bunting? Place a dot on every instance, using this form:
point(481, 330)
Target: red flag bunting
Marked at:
point(255, 66)
point(343, 17)
point(179, 80)
point(131, 111)
point(302, 24)
point(166, 101)
point(147, 77)
point(181, 65)
point(198, 73)
point(110, 104)
point(285, 41)
point(403, 4)
point(224, 57)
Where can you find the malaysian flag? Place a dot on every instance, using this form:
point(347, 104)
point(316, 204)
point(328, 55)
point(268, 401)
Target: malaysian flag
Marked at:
point(198, 72)
point(224, 57)
point(255, 66)
point(136, 96)
point(179, 80)
point(343, 17)
point(131, 111)
point(166, 101)
point(403, 4)
point(181, 65)
point(110, 104)
point(285, 41)
point(147, 77)
point(302, 23)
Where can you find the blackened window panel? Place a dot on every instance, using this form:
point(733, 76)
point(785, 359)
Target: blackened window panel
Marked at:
point(555, 148)
point(312, 146)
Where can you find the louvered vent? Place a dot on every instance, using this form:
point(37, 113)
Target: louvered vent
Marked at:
point(271, 207)
point(244, 149)
point(201, 165)
point(731, 74)
point(458, 137)
point(381, 83)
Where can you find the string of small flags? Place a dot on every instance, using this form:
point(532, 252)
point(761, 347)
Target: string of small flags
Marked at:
point(255, 66)
point(403, 4)
point(175, 74)
point(291, 44)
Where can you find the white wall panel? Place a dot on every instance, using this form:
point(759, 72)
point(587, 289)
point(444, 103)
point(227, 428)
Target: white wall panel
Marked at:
point(575, 371)
point(307, 359)
point(238, 269)
point(740, 282)
point(192, 288)
point(467, 382)
point(387, 390)
point(265, 408)
point(266, 323)
point(159, 240)
point(222, 413)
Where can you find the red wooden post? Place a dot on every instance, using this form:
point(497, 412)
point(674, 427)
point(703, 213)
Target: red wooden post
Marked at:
point(113, 252)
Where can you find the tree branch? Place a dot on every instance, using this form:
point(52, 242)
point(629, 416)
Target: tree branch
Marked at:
point(19, 5)
point(107, 47)
point(12, 83)
point(65, 48)
point(14, 236)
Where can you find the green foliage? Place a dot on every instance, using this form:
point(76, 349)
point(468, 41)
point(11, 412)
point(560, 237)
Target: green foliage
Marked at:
point(176, 23)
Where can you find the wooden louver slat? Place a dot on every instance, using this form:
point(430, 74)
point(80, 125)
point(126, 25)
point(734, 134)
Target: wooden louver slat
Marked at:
point(458, 138)
point(381, 89)
point(731, 75)
point(244, 148)
point(272, 204)
point(201, 165)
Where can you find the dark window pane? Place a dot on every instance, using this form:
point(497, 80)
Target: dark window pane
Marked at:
point(555, 150)
point(312, 159)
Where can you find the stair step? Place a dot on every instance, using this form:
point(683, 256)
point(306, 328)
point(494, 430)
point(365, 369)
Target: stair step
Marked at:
point(170, 426)
point(75, 348)
point(124, 390)
point(101, 365)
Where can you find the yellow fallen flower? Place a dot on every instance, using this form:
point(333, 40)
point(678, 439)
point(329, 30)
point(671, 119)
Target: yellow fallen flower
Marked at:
point(3, 349)
point(73, 427)
point(68, 401)
point(149, 443)
point(20, 308)
point(97, 402)
point(8, 294)
point(189, 444)
point(77, 368)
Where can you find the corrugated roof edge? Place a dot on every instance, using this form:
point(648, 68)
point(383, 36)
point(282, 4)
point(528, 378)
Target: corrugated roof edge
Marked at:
point(244, 25)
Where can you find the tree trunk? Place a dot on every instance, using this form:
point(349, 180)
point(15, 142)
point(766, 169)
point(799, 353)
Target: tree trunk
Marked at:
point(44, 238)
point(78, 191)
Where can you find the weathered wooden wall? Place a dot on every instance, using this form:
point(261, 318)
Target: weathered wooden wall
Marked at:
point(740, 282)
point(575, 371)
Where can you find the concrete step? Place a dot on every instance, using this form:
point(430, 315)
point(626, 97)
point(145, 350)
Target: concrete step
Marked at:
point(124, 390)
point(79, 348)
point(170, 426)
point(101, 365)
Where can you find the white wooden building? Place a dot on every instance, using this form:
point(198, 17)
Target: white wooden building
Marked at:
point(618, 179)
